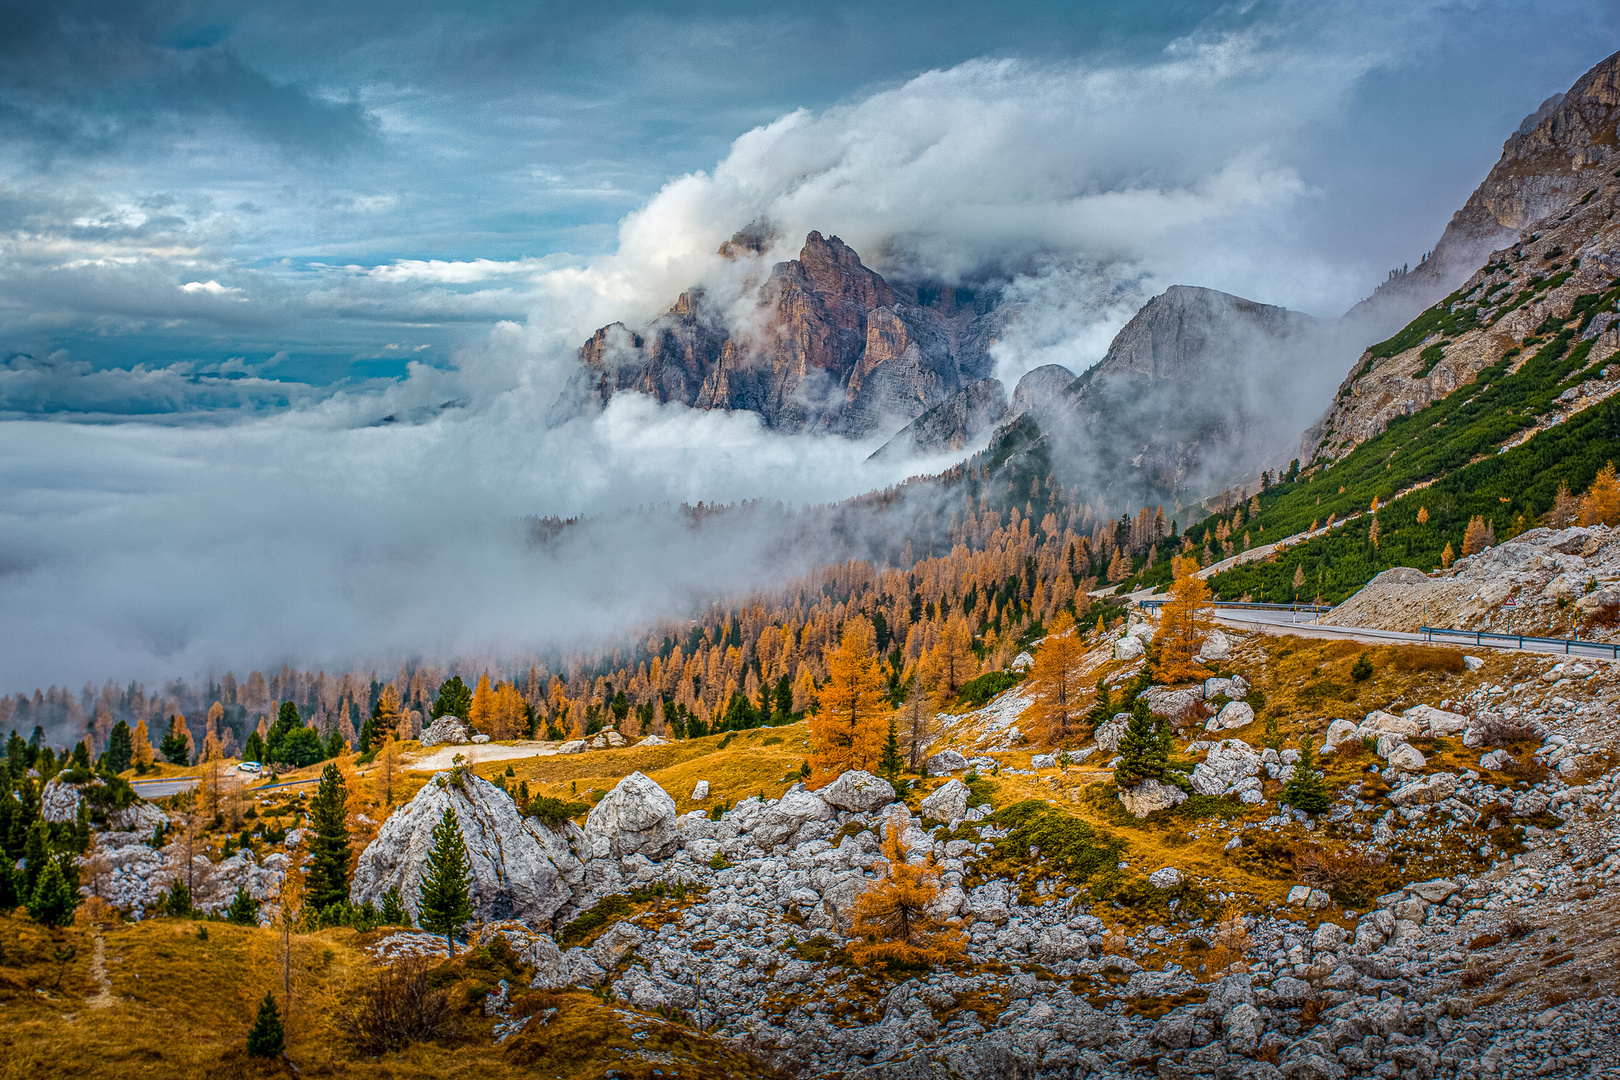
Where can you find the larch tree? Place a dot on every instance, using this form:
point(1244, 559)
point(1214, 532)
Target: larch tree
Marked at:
point(848, 731)
point(327, 879)
point(387, 771)
point(1601, 506)
point(1566, 508)
point(919, 724)
point(144, 755)
point(1055, 715)
point(483, 705)
point(444, 905)
point(1475, 537)
point(954, 662)
point(1447, 557)
point(1184, 622)
point(384, 718)
point(891, 923)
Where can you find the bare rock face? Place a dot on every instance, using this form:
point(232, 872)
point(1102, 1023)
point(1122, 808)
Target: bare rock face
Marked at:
point(950, 425)
point(446, 729)
point(1546, 207)
point(520, 869)
point(636, 818)
point(858, 791)
point(949, 803)
point(1198, 386)
point(1150, 795)
point(1039, 387)
point(59, 802)
point(843, 349)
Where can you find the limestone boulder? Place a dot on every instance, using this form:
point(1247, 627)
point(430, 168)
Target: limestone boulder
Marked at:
point(636, 818)
point(446, 730)
point(1338, 733)
point(1406, 758)
point(1234, 714)
point(1383, 723)
point(945, 762)
point(700, 791)
point(948, 803)
point(1174, 701)
point(1437, 723)
point(1129, 648)
point(520, 869)
point(1426, 792)
point(858, 791)
point(1228, 764)
point(1217, 646)
point(1109, 734)
point(1150, 795)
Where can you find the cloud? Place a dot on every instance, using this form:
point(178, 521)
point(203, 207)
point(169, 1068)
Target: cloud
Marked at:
point(212, 288)
point(142, 551)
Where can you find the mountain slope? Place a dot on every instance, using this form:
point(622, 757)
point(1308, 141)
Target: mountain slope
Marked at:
point(1199, 386)
point(1541, 170)
point(831, 346)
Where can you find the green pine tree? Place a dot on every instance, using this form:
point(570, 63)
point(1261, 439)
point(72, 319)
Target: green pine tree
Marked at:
point(327, 880)
point(1143, 753)
point(393, 909)
point(455, 699)
point(890, 764)
point(1102, 710)
point(254, 749)
point(266, 1037)
point(173, 747)
point(1304, 789)
point(53, 899)
point(444, 905)
point(178, 902)
point(36, 854)
point(120, 748)
point(244, 911)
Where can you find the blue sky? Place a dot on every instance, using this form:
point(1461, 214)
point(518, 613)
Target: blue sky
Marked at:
point(287, 289)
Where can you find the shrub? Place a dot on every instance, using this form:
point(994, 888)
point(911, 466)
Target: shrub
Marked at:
point(598, 916)
point(266, 1038)
point(396, 1008)
point(1362, 669)
point(554, 813)
point(976, 693)
point(244, 911)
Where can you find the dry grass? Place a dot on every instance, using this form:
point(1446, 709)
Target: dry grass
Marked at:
point(181, 1007)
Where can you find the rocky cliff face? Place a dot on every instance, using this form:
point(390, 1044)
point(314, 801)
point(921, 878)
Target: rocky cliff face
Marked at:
point(1557, 179)
point(841, 349)
point(1546, 165)
point(1198, 387)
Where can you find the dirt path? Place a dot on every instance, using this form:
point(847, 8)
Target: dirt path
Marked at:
point(444, 756)
point(103, 996)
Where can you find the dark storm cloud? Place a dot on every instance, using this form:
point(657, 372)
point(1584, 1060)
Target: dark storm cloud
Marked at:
point(85, 77)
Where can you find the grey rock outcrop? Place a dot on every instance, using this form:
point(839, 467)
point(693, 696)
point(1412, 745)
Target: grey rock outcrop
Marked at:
point(520, 868)
point(1150, 795)
point(946, 761)
point(948, 803)
point(445, 730)
point(1038, 388)
point(636, 818)
point(858, 791)
point(952, 424)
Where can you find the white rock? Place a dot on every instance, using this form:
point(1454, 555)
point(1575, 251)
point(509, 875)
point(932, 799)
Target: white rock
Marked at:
point(1129, 648)
point(480, 738)
point(1382, 723)
point(1167, 877)
point(1215, 687)
point(1496, 759)
point(1299, 894)
point(518, 865)
point(1043, 761)
point(700, 791)
point(636, 818)
point(446, 729)
point(1150, 795)
point(1437, 723)
point(1021, 662)
point(572, 746)
point(1339, 732)
point(1431, 789)
point(1330, 937)
point(1234, 714)
point(859, 791)
point(948, 803)
point(1216, 647)
point(1110, 733)
point(945, 762)
point(1406, 758)
point(1473, 663)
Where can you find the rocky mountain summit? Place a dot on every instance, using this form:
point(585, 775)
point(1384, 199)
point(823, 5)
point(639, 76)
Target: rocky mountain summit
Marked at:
point(831, 346)
point(1547, 164)
point(974, 410)
point(1535, 248)
point(1199, 387)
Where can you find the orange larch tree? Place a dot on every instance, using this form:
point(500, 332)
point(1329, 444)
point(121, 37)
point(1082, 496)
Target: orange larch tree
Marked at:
point(891, 923)
point(1183, 623)
point(483, 705)
point(848, 730)
point(1602, 503)
point(1056, 714)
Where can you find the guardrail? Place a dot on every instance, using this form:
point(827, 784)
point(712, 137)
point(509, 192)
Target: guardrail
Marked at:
point(1517, 641)
point(1252, 605)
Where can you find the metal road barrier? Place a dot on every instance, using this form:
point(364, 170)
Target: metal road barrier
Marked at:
point(1517, 641)
point(1315, 609)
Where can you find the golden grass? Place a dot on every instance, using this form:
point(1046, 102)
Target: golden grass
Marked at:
point(181, 1007)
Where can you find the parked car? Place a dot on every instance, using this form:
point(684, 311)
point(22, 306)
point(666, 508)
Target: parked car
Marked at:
point(248, 766)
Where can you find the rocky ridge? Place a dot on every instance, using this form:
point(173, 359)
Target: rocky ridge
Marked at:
point(1545, 216)
point(837, 348)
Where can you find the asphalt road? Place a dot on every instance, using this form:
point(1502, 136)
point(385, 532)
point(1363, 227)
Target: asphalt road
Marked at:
point(158, 789)
point(1288, 622)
